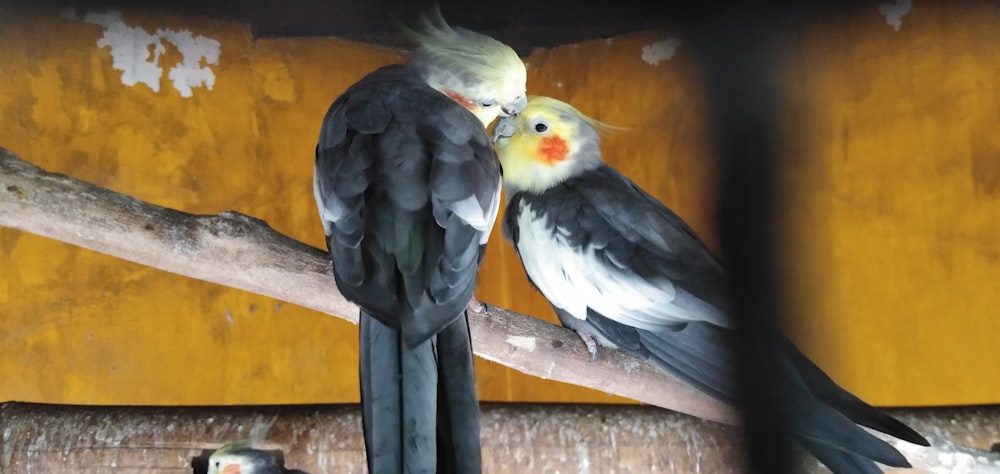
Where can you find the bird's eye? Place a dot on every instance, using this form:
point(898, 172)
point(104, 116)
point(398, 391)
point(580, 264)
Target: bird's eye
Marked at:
point(541, 127)
point(488, 103)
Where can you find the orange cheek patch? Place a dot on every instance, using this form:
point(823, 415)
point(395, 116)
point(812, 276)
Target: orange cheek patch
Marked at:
point(460, 99)
point(554, 149)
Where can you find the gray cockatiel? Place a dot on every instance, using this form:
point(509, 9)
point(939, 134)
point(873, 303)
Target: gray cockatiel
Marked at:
point(242, 458)
point(408, 188)
point(625, 271)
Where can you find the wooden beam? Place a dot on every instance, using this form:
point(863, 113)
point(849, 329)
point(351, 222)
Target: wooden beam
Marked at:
point(239, 251)
point(516, 438)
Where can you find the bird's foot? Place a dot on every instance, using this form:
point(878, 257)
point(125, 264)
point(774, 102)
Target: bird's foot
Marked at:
point(591, 344)
point(476, 306)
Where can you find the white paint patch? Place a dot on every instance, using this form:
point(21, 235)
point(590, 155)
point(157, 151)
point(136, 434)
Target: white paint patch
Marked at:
point(136, 53)
point(522, 342)
point(189, 72)
point(894, 12)
point(660, 51)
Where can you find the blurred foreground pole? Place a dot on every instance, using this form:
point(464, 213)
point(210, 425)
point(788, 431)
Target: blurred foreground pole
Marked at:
point(737, 48)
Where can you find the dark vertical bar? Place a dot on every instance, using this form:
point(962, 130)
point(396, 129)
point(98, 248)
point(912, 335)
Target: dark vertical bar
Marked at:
point(736, 49)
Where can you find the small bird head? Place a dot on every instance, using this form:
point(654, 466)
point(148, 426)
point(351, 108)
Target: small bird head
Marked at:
point(240, 458)
point(548, 142)
point(480, 73)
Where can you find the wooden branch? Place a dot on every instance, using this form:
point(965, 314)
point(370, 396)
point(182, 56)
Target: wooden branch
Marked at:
point(243, 252)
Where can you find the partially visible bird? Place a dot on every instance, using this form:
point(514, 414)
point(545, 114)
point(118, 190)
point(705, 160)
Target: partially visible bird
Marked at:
point(408, 189)
point(242, 458)
point(625, 271)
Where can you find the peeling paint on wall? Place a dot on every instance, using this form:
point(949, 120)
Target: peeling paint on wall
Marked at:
point(660, 51)
point(137, 53)
point(134, 51)
point(189, 72)
point(894, 12)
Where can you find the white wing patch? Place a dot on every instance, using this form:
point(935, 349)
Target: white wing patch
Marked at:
point(492, 217)
point(475, 216)
point(472, 213)
point(326, 216)
point(468, 210)
point(574, 279)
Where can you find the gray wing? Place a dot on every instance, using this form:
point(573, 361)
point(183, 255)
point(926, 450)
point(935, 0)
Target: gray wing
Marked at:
point(598, 243)
point(652, 240)
point(622, 266)
point(627, 236)
point(407, 187)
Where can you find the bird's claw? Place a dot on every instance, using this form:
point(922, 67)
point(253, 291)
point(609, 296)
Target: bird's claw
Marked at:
point(591, 344)
point(476, 306)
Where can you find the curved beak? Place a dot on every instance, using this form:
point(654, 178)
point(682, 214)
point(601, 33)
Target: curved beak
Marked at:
point(504, 128)
point(514, 107)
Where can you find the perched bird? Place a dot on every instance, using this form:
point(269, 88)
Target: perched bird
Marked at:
point(242, 458)
point(408, 188)
point(625, 271)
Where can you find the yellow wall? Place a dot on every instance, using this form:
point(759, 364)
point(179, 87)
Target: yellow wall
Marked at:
point(893, 177)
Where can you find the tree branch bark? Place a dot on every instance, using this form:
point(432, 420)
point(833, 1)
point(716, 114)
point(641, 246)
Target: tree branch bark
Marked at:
point(239, 251)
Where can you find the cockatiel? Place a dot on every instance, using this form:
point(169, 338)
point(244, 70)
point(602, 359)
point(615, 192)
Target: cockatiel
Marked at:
point(408, 188)
point(622, 269)
point(242, 458)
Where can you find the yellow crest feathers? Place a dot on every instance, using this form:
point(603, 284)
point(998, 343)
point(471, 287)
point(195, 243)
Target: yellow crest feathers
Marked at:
point(257, 434)
point(472, 53)
point(564, 108)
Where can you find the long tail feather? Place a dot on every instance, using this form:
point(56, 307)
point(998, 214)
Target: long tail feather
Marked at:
point(399, 400)
point(839, 461)
point(420, 411)
point(458, 404)
point(825, 416)
point(817, 423)
point(693, 354)
point(824, 388)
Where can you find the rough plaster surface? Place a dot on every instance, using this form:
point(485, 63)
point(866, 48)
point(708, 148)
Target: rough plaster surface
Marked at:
point(137, 53)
